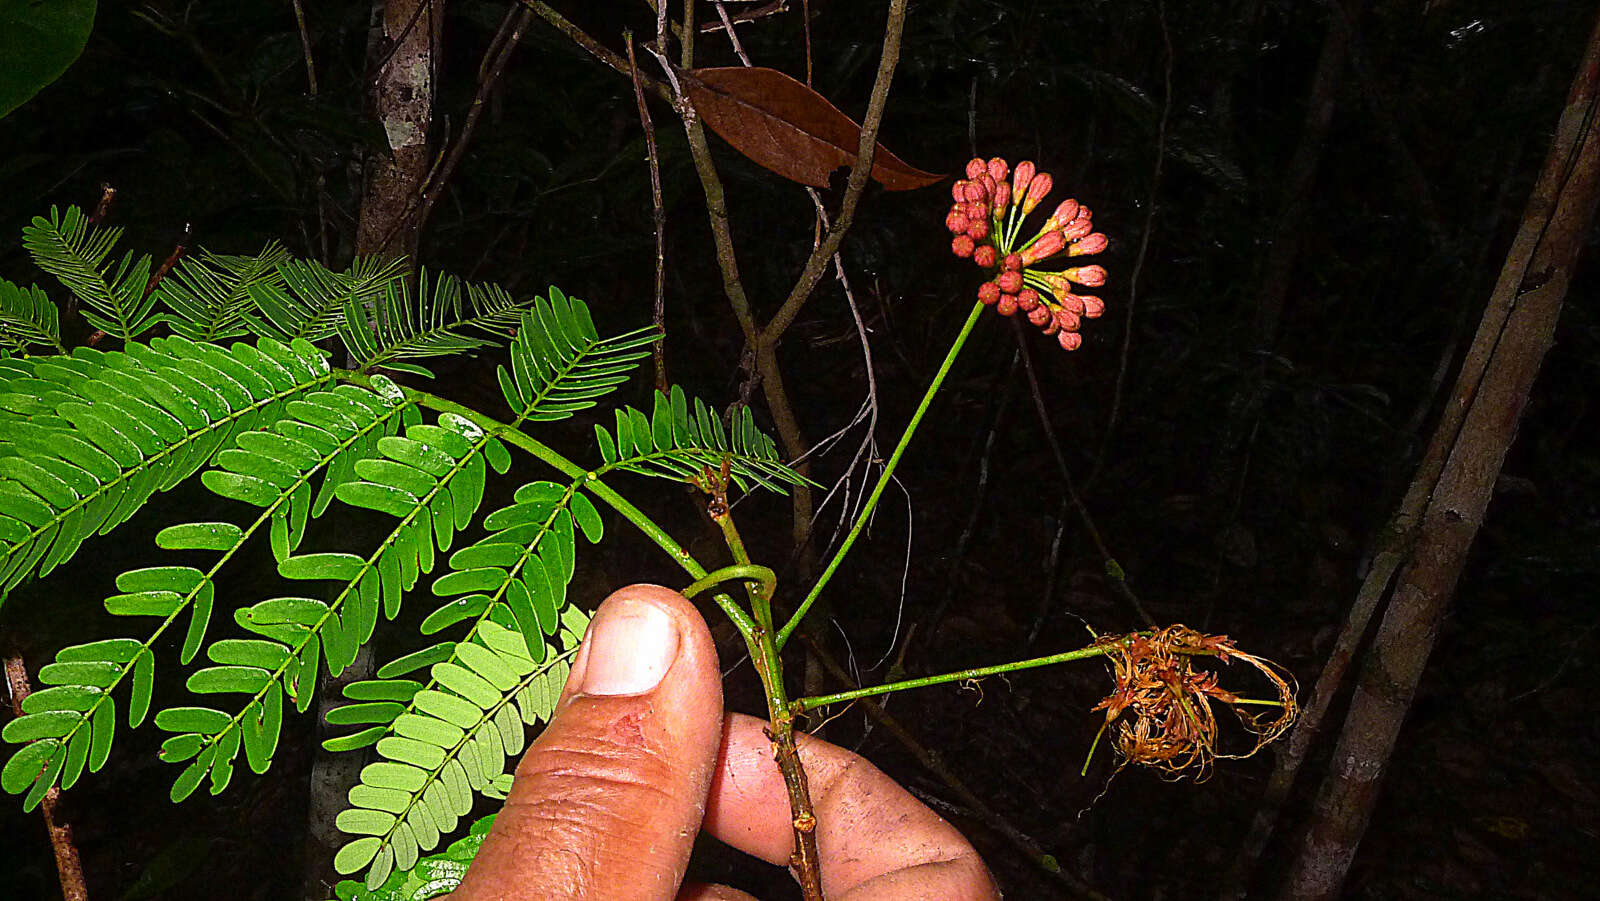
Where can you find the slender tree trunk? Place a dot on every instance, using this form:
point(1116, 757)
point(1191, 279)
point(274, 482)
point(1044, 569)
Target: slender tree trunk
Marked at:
point(403, 56)
point(407, 39)
point(1517, 329)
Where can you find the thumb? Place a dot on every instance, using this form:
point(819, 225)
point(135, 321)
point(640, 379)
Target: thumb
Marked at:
point(608, 800)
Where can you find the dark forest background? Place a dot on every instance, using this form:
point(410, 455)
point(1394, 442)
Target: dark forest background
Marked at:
point(1264, 435)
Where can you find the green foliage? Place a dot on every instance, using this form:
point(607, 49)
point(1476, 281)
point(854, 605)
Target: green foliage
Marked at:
point(68, 247)
point(398, 326)
point(678, 442)
point(88, 437)
point(210, 293)
point(27, 318)
point(38, 41)
point(310, 301)
point(559, 364)
point(433, 876)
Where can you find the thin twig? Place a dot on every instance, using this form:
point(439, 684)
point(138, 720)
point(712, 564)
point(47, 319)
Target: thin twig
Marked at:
point(68, 866)
point(733, 36)
point(658, 350)
point(1144, 246)
point(1113, 569)
point(305, 48)
point(776, 7)
point(811, 273)
point(595, 48)
point(932, 762)
point(458, 149)
point(805, 23)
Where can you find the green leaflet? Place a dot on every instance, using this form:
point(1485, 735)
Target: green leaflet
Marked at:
point(449, 741)
point(559, 365)
point(77, 253)
point(680, 442)
point(434, 322)
point(433, 876)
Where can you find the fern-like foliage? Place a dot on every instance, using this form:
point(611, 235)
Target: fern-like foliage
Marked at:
point(311, 300)
point(86, 439)
point(559, 363)
point(449, 736)
point(434, 876)
point(27, 319)
point(678, 441)
point(209, 294)
point(434, 323)
point(444, 467)
point(72, 724)
point(72, 250)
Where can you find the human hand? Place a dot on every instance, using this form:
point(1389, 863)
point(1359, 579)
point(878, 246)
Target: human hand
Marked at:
point(639, 757)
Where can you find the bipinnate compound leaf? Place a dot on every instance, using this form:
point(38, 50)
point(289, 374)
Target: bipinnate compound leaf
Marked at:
point(786, 127)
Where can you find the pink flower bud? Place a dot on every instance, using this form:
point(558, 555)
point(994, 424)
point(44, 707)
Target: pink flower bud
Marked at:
point(1010, 281)
point(1037, 188)
point(989, 293)
point(1050, 327)
point(1088, 244)
point(1039, 316)
point(1007, 305)
point(956, 221)
point(998, 169)
point(1021, 177)
point(975, 166)
point(1093, 306)
point(1012, 261)
point(1044, 248)
point(1069, 340)
point(1002, 197)
point(1092, 276)
point(978, 229)
point(1065, 212)
point(1077, 229)
point(1028, 300)
point(988, 183)
point(1066, 319)
point(958, 190)
point(1071, 303)
point(975, 192)
point(962, 246)
point(984, 256)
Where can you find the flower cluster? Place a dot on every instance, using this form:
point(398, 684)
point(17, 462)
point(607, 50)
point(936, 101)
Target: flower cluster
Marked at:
point(990, 205)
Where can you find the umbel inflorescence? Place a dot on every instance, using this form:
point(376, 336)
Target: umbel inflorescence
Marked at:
point(986, 220)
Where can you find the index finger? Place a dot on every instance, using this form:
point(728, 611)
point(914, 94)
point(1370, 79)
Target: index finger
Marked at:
point(878, 843)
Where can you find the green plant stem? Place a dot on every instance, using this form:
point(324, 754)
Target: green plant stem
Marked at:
point(742, 571)
point(760, 596)
point(801, 705)
point(883, 478)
